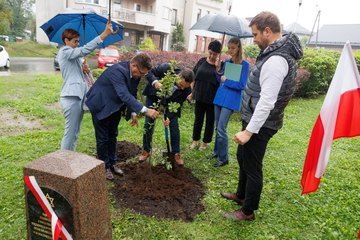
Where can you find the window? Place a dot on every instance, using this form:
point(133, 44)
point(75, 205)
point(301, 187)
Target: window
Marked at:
point(137, 7)
point(88, 1)
point(198, 14)
point(117, 1)
point(166, 13)
point(174, 17)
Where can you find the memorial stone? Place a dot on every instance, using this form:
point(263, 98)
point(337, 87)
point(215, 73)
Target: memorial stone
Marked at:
point(74, 185)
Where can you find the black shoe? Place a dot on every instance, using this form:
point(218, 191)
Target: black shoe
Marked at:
point(220, 164)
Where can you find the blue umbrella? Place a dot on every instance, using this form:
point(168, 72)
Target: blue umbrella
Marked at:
point(89, 26)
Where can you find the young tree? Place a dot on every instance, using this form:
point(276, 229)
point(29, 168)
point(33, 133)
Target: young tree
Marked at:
point(5, 18)
point(21, 14)
point(178, 38)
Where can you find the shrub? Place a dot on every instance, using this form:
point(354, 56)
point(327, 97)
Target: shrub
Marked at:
point(321, 63)
point(183, 59)
point(97, 72)
point(302, 75)
point(147, 45)
point(357, 59)
point(251, 51)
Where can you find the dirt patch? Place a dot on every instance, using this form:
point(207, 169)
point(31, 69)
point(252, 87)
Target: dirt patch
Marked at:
point(161, 193)
point(126, 150)
point(13, 123)
point(54, 106)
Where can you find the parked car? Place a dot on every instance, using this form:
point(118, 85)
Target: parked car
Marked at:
point(56, 63)
point(4, 58)
point(107, 56)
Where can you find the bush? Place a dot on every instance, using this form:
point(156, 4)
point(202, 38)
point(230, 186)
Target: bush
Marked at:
point(302, 75)
point(97, 72)
point(147, 45)
point(357, 59)
point(321, 63)
point(251, 51)
point(183, 59)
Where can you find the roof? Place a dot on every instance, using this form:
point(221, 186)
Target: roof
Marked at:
point(300, 30)
point(338, 34)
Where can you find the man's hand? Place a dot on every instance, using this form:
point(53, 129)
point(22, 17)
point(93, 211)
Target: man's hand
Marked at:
point(151, 113)
point(134, 121)
point(189, 97)
point(157, 85)
point(242, 137)
point(167, 122)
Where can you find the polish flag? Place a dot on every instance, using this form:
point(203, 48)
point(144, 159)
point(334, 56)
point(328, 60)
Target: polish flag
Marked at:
point(339, 117)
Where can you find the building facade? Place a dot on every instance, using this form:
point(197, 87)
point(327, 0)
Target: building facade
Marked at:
point(142, 18)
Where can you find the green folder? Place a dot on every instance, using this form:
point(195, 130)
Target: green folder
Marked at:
point(232, 71)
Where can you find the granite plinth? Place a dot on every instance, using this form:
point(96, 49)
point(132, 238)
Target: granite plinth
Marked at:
point(80, 180)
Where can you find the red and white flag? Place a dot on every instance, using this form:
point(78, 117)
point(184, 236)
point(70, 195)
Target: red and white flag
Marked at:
point(339, 117)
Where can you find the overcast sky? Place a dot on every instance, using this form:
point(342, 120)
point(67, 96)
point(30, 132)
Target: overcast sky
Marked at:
point(332, 12)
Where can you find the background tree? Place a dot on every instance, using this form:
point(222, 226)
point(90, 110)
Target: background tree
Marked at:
point(21, 13)
point(178, 38)
point(5, 18)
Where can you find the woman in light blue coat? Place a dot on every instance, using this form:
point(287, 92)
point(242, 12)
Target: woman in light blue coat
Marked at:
point(228, 99)
point(74, 86)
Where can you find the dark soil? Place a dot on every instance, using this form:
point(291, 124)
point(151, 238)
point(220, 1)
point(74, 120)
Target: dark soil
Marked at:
point(159, 192)
point(126, 150)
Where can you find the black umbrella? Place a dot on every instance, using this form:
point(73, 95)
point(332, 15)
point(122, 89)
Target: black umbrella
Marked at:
point(225, 24)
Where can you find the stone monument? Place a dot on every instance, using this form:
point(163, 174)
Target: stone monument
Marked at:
point(75, 189)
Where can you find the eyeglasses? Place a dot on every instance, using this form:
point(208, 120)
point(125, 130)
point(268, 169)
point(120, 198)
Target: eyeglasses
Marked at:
point(142, 73)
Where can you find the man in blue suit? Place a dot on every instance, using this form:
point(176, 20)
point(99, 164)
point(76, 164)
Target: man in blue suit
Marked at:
point(109, 95)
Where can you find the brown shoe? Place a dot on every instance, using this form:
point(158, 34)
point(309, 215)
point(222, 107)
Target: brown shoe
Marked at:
point(232, 197)
point(179, 161)
point(144, 156)
point(238, 215)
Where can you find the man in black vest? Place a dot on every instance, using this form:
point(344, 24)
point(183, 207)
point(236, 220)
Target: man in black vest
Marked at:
point(268, 91)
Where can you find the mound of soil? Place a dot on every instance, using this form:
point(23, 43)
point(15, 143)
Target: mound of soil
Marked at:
point(159, 192)
point(126, 150)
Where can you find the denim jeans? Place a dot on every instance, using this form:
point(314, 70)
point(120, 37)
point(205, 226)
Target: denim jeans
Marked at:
point(222, 116)
point(174, 134)
point(149, 127)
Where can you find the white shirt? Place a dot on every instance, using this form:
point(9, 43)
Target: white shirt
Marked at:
point(272, 75)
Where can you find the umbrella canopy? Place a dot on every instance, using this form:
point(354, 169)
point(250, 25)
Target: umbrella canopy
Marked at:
point(225, 24)
point(89, 26)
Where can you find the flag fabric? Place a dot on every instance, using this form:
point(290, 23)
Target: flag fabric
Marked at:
point(339, 117)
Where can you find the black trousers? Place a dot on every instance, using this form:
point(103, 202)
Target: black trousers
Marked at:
point(106, 132)
point(250, 158)
point(202, 109)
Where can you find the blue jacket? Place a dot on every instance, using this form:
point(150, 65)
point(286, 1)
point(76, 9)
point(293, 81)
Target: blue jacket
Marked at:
point(229, 93)
point(112, 91)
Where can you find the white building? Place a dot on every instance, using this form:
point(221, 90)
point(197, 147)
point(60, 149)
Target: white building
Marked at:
point(142, 18)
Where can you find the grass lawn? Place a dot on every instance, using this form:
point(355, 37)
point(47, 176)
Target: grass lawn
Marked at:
point(331, 213)
point(29, 49)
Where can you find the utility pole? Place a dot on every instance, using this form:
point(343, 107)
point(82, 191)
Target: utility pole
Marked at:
point(297, 17)
point(317, 19)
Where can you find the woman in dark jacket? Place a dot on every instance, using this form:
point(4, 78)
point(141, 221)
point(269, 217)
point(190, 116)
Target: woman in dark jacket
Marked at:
point(204, 91)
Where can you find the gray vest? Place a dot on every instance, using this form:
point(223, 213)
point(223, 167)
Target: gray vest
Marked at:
point(289, 48)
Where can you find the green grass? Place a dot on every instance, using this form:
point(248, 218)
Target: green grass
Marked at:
point(29, 49)
point(331, 213)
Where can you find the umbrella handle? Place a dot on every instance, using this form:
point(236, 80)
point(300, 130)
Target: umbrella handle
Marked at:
point(117, 28)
